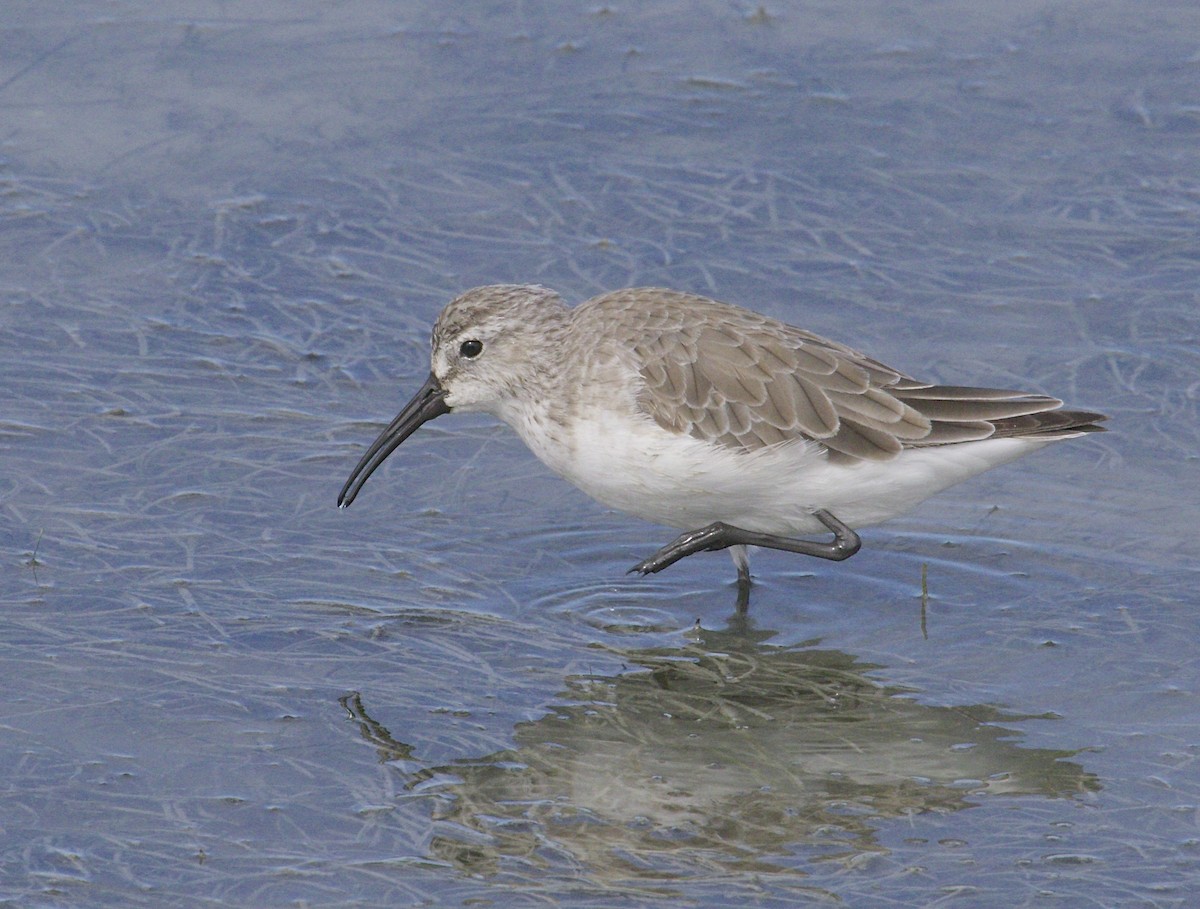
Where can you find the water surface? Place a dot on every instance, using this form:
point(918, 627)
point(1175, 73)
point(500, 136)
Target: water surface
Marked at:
point(225, 230)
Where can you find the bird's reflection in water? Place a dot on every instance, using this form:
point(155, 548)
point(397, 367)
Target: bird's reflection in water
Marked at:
point(726, 751)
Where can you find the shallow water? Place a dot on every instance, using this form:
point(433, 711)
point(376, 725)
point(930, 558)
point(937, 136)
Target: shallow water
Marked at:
point(225, 230)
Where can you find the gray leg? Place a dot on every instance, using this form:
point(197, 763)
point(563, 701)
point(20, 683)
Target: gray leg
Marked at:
point(721, 536)
point(742, 560)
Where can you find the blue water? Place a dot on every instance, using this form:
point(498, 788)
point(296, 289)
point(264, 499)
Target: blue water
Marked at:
point(225, 229)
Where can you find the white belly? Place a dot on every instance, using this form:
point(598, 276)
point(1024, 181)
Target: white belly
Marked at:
point(637, 467)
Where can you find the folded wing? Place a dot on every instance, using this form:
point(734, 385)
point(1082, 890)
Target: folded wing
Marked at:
point(743, 381)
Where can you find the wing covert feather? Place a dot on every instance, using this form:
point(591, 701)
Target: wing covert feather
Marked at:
point(738, 379)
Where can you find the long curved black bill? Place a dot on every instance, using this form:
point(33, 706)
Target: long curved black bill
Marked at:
point(426, 404)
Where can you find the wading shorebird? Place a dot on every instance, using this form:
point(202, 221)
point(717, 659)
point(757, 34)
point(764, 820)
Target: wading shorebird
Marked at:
point(713, 419)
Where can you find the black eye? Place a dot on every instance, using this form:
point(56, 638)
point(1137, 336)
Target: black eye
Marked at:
point(471, 349)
